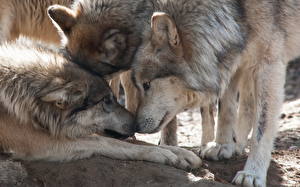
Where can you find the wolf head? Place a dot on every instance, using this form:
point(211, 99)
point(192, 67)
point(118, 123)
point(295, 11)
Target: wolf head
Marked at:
point(198, 42)
point(54, 94)
point(98, 35)
point(79, 104)
point(163, 99)
point(197, 49)
point(167, 51)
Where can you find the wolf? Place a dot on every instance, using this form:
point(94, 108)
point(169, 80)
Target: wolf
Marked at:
point(220, 48)
point(28, 18)
point(102, 36)
point(51, 110)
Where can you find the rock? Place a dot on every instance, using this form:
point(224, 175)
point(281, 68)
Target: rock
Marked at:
point(102, 171)
point(11, 173)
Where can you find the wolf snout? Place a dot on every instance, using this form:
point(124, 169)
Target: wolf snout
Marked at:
point(146, 125)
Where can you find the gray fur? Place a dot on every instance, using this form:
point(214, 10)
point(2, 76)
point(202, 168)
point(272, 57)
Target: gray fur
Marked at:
point(29, 74)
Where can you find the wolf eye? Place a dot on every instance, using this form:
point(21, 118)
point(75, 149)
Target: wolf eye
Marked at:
point(146, 86)
point(108, 104)
point(61, 104)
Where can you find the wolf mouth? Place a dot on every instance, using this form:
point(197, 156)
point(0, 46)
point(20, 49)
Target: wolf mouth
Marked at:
point(116, 135)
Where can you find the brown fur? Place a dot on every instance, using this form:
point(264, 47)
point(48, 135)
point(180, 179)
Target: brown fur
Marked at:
point(28, 18)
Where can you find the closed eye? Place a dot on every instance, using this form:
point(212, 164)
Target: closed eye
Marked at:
point(85, 105)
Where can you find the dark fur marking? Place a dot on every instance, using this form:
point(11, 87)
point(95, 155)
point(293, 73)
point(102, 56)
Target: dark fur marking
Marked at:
point(262, 122)
point(201, 110)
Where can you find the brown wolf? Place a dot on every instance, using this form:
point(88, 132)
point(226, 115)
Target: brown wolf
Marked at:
point(28, 18)
point(50, 110)
point(218, 48)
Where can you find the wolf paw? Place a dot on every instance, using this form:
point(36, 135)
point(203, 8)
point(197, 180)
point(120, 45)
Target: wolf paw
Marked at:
point(248, 179)
point(215, 151)
point(186, 159)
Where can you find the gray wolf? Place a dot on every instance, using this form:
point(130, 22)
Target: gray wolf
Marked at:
point(219, 48)
point(51, 110)
point(28, 18)
point(102, 36)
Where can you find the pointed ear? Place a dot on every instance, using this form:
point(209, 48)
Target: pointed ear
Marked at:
point(64, 17)
point(58, 97)
point(164, 28)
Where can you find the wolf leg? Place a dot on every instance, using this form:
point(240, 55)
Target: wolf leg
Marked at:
point(224, 144)
point(169, 134)
point(66, 149)
point(208, 123)
point(246, 112)
point(268, 91)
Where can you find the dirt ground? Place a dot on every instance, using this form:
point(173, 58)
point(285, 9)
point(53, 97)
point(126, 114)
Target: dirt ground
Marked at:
point(100, 171)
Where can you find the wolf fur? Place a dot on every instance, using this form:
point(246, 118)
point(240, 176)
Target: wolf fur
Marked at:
point(220, 48)
point(50, 110)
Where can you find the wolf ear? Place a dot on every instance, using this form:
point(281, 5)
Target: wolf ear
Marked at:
point(164, 28)
point(64, 17)
point(58, 97)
